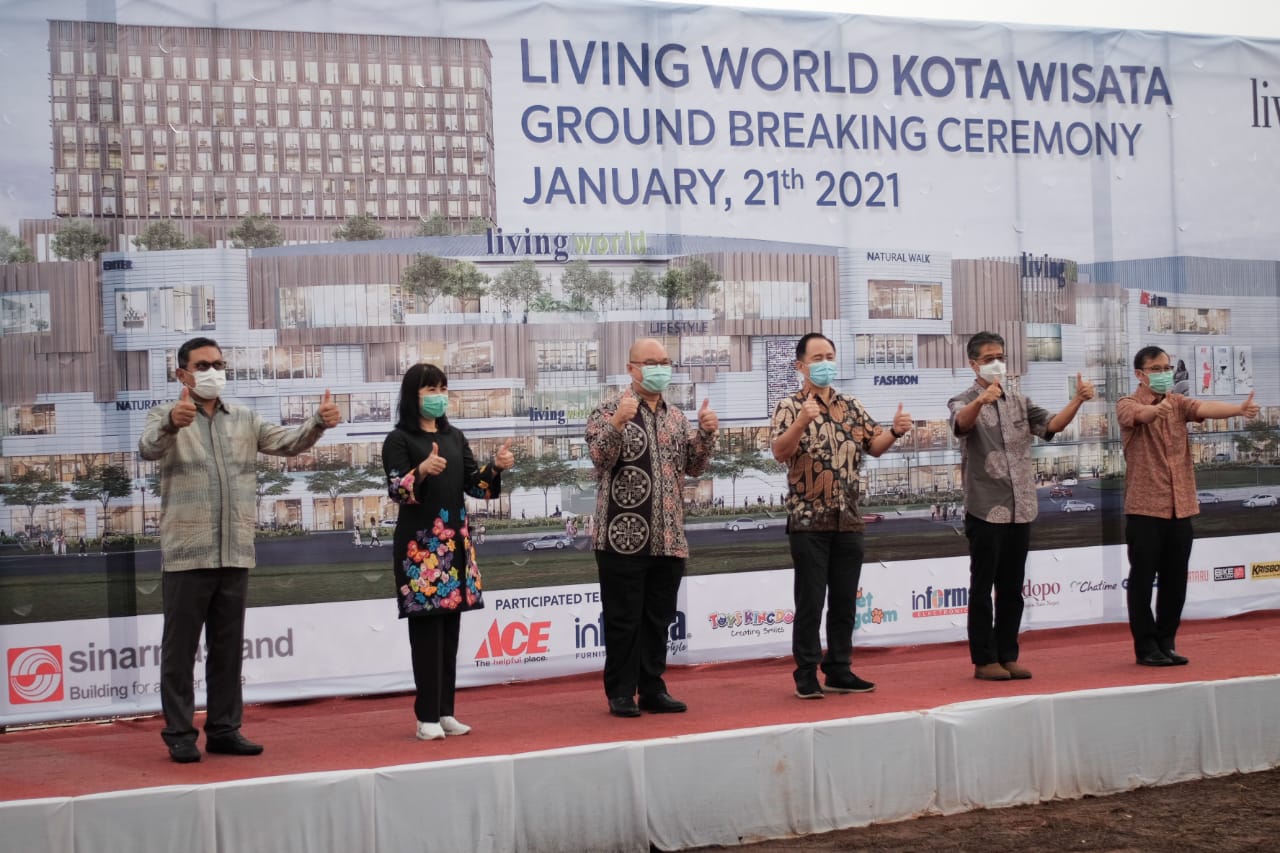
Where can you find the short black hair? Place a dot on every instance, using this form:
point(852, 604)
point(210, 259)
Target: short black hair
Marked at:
point(415, 379)
point(803, 344)
point(974, 348)
point(184, 351)
point(1147, 354)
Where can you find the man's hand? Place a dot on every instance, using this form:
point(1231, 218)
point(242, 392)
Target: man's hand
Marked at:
point(628, 405)
point(1249, 408)
point(902, 422)
point(1164, 408)
point(1084, 389)
point(328, 412)
point(433, 464)
point(707, 420)
point(504, 458)
point(991, 393)
point(810, 410)
point(184, 411)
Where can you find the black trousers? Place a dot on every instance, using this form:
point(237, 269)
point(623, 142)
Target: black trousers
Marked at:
point(1159, 548)
point(997, 561)
point(638, 594)
point(212, 599)
point(827, 568)
point(433, 646)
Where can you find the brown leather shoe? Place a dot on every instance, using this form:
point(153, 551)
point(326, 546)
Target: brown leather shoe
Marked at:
point(1015, 669)
point(991, 672)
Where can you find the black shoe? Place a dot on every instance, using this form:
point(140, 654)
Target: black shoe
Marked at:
point(662, 703)
point(623, 706)
point(807, 687)
point(1178, 660)
point(847, 682)
point(232, 744)
point(1156, 658)
point(184, 752)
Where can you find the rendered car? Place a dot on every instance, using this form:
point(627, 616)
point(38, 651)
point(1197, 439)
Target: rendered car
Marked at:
point(744, 522)
point(872, 517)
point(559, 541)
point(1060, 492)
point(1078, 506)
point(1069, 481)
point(1208, 498)
point(1261, 500)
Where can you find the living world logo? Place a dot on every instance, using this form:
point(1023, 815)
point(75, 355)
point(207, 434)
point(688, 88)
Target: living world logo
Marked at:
point(944, 601)
point(752, 623)
point(35, 675)
point(1264, 571)
point(513, 643)
point(866, 614)
point(561, 247)
point(1229, 573)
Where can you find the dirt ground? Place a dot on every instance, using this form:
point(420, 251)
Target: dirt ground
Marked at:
point(1229, 814)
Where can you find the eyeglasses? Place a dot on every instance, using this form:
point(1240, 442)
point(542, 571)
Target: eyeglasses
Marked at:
point(1159, 368)
point(988, 359)
point(201, 366)
point(666, 362)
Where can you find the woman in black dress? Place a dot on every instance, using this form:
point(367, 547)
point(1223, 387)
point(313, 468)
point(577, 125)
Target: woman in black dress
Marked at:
point(429, 468)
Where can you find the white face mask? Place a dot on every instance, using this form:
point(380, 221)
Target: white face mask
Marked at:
point(992, 371)
point(209, 383)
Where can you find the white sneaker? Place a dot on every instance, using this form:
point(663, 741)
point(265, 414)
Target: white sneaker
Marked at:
point(452, 727)
point(430, 731)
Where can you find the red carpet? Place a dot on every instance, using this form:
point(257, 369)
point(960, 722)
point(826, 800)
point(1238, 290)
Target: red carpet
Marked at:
point(344, 734)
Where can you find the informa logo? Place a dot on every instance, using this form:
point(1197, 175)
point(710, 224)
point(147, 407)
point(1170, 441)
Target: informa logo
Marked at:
point(35, 675)
point(515, 642)
point(1229, 573)
point(1265, 571)
point(951, 601)
point(867, 614)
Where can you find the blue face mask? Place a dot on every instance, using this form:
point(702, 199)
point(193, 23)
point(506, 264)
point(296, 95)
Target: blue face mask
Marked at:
point(822, 373)
point(656, 377)
point(433, 405)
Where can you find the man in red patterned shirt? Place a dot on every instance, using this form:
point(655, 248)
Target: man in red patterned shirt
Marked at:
point(1160, 499)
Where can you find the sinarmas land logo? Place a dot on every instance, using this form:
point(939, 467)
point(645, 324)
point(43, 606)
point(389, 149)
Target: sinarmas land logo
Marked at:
point(35, 675)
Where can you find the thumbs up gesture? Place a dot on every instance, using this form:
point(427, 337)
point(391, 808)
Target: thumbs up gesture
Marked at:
point(504, 458)
point(328, 411)
point(433, 464)
point(707, 420)
point(1084, 388)
point(628, 405)
point(902, 422)
point(809, 409)
point(184, 411)
point(1249, 408)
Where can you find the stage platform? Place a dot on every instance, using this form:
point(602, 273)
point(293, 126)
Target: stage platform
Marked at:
point(547, 768)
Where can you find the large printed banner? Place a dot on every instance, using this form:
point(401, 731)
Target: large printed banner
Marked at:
point(516, 191)
point(58, 670)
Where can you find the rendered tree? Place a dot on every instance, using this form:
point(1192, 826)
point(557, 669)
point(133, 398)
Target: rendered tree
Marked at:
point(544, 472)
point(360, 227)
point(160, 236)
point(33, 489)
point(518, 283)
point(478, 225)
point(256, 231)
point(466, 283)
point(641, 283)
point(79, 241)
point(102, 483)
point(13, 250)
point(339, 481)
point(434, 225)
point(272, 482)
point(426, 277)
point(700, 280)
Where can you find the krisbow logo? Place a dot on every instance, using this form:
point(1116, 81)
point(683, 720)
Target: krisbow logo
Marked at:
point(1265, 571)
point(35, 675)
